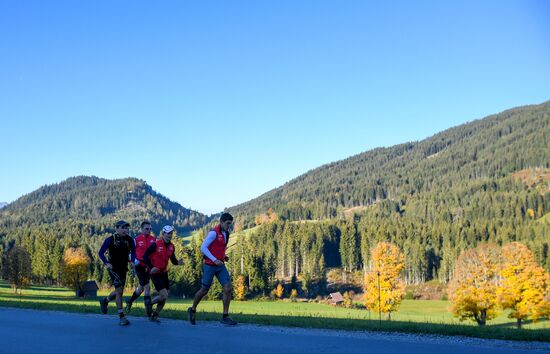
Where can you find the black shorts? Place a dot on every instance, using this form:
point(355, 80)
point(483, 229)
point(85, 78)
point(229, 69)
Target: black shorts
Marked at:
point(118, 277)
point(160, 281)
point(142, 275)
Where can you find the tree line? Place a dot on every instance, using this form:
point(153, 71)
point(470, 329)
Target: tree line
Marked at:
point(432, 233)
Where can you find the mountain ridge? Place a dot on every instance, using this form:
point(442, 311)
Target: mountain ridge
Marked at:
point(464, 152)
point(90, 198)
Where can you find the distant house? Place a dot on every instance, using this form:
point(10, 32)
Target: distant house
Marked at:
point(335, 298)
point(87, 289)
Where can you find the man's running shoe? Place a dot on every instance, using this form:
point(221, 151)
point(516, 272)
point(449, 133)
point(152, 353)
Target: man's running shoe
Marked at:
point(103, 305)
point(191, 315)
point(124, 321)
point(228, 321)
point(128, 306)
point(154, 317)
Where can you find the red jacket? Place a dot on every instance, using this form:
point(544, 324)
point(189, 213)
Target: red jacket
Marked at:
point(142, 243)
point(217, 248)
point(162, 255)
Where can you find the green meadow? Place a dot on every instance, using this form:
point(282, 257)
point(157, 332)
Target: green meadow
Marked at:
point(414, 316)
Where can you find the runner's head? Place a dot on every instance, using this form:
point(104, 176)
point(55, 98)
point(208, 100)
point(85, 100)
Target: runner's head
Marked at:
point(167, 232)
point(122, 227)
point(225, 221)
point(146, 227)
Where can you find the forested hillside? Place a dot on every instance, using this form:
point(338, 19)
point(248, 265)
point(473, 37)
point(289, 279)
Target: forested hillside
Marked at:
point(98, 200)
point(484, 181)
point(482, 150)
point(80, 212)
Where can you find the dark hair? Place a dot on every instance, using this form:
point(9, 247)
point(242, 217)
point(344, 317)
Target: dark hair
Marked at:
point(145, 222)
point(225, 217)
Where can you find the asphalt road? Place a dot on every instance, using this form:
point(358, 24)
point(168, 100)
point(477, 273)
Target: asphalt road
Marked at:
point(30, 331)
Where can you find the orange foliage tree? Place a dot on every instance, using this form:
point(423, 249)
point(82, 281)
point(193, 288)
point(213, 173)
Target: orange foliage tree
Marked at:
point(280, 291)
point(388, 261)
point(240, 288)
point(348, 299)
point(523, 284)
point(268, 217)
point(473, 288)
point(75, 266)
point(293, 295)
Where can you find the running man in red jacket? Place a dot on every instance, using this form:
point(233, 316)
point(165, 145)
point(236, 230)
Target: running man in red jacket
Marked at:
point(213, 249)
point(142, 241)
point(156, 257)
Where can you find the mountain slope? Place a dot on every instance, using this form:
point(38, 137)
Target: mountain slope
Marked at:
point(98, 200)
point(489, 148)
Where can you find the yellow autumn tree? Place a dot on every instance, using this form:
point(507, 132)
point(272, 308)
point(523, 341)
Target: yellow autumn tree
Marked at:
point(523, 284)
point(240, 288)
point(75, 266)
point(387, 263)
point(348, 299)
point(473, 288)
point(293, 295)
point(280, 291)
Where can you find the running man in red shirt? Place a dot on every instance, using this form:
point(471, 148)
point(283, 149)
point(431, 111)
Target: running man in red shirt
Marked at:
point(142, 241)
point(213, 248)
point(156, 257)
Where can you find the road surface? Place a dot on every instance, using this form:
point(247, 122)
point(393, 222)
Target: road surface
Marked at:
point(31, 331)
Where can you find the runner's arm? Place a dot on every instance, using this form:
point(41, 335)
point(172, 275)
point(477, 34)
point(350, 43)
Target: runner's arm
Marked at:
point(207, 242)
point(133, 251)
point(103, 249)
point(149, 252)
point(173, 259)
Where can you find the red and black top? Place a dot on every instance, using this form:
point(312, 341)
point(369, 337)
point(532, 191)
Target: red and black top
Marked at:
point(143, 242)
point(158, 254)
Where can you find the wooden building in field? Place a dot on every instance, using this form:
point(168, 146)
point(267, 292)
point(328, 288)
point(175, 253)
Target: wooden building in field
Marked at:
point(87, 289)
point(335, 298)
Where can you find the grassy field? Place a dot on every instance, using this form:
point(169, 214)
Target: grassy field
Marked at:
point(415, 316)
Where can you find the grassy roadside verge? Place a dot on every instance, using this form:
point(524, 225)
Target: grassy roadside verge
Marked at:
point(305, 315)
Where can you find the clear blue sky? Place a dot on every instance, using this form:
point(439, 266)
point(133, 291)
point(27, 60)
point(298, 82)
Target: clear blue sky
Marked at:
point(216, 102)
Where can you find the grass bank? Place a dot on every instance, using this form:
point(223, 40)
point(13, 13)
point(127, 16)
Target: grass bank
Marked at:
point(415, 316)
